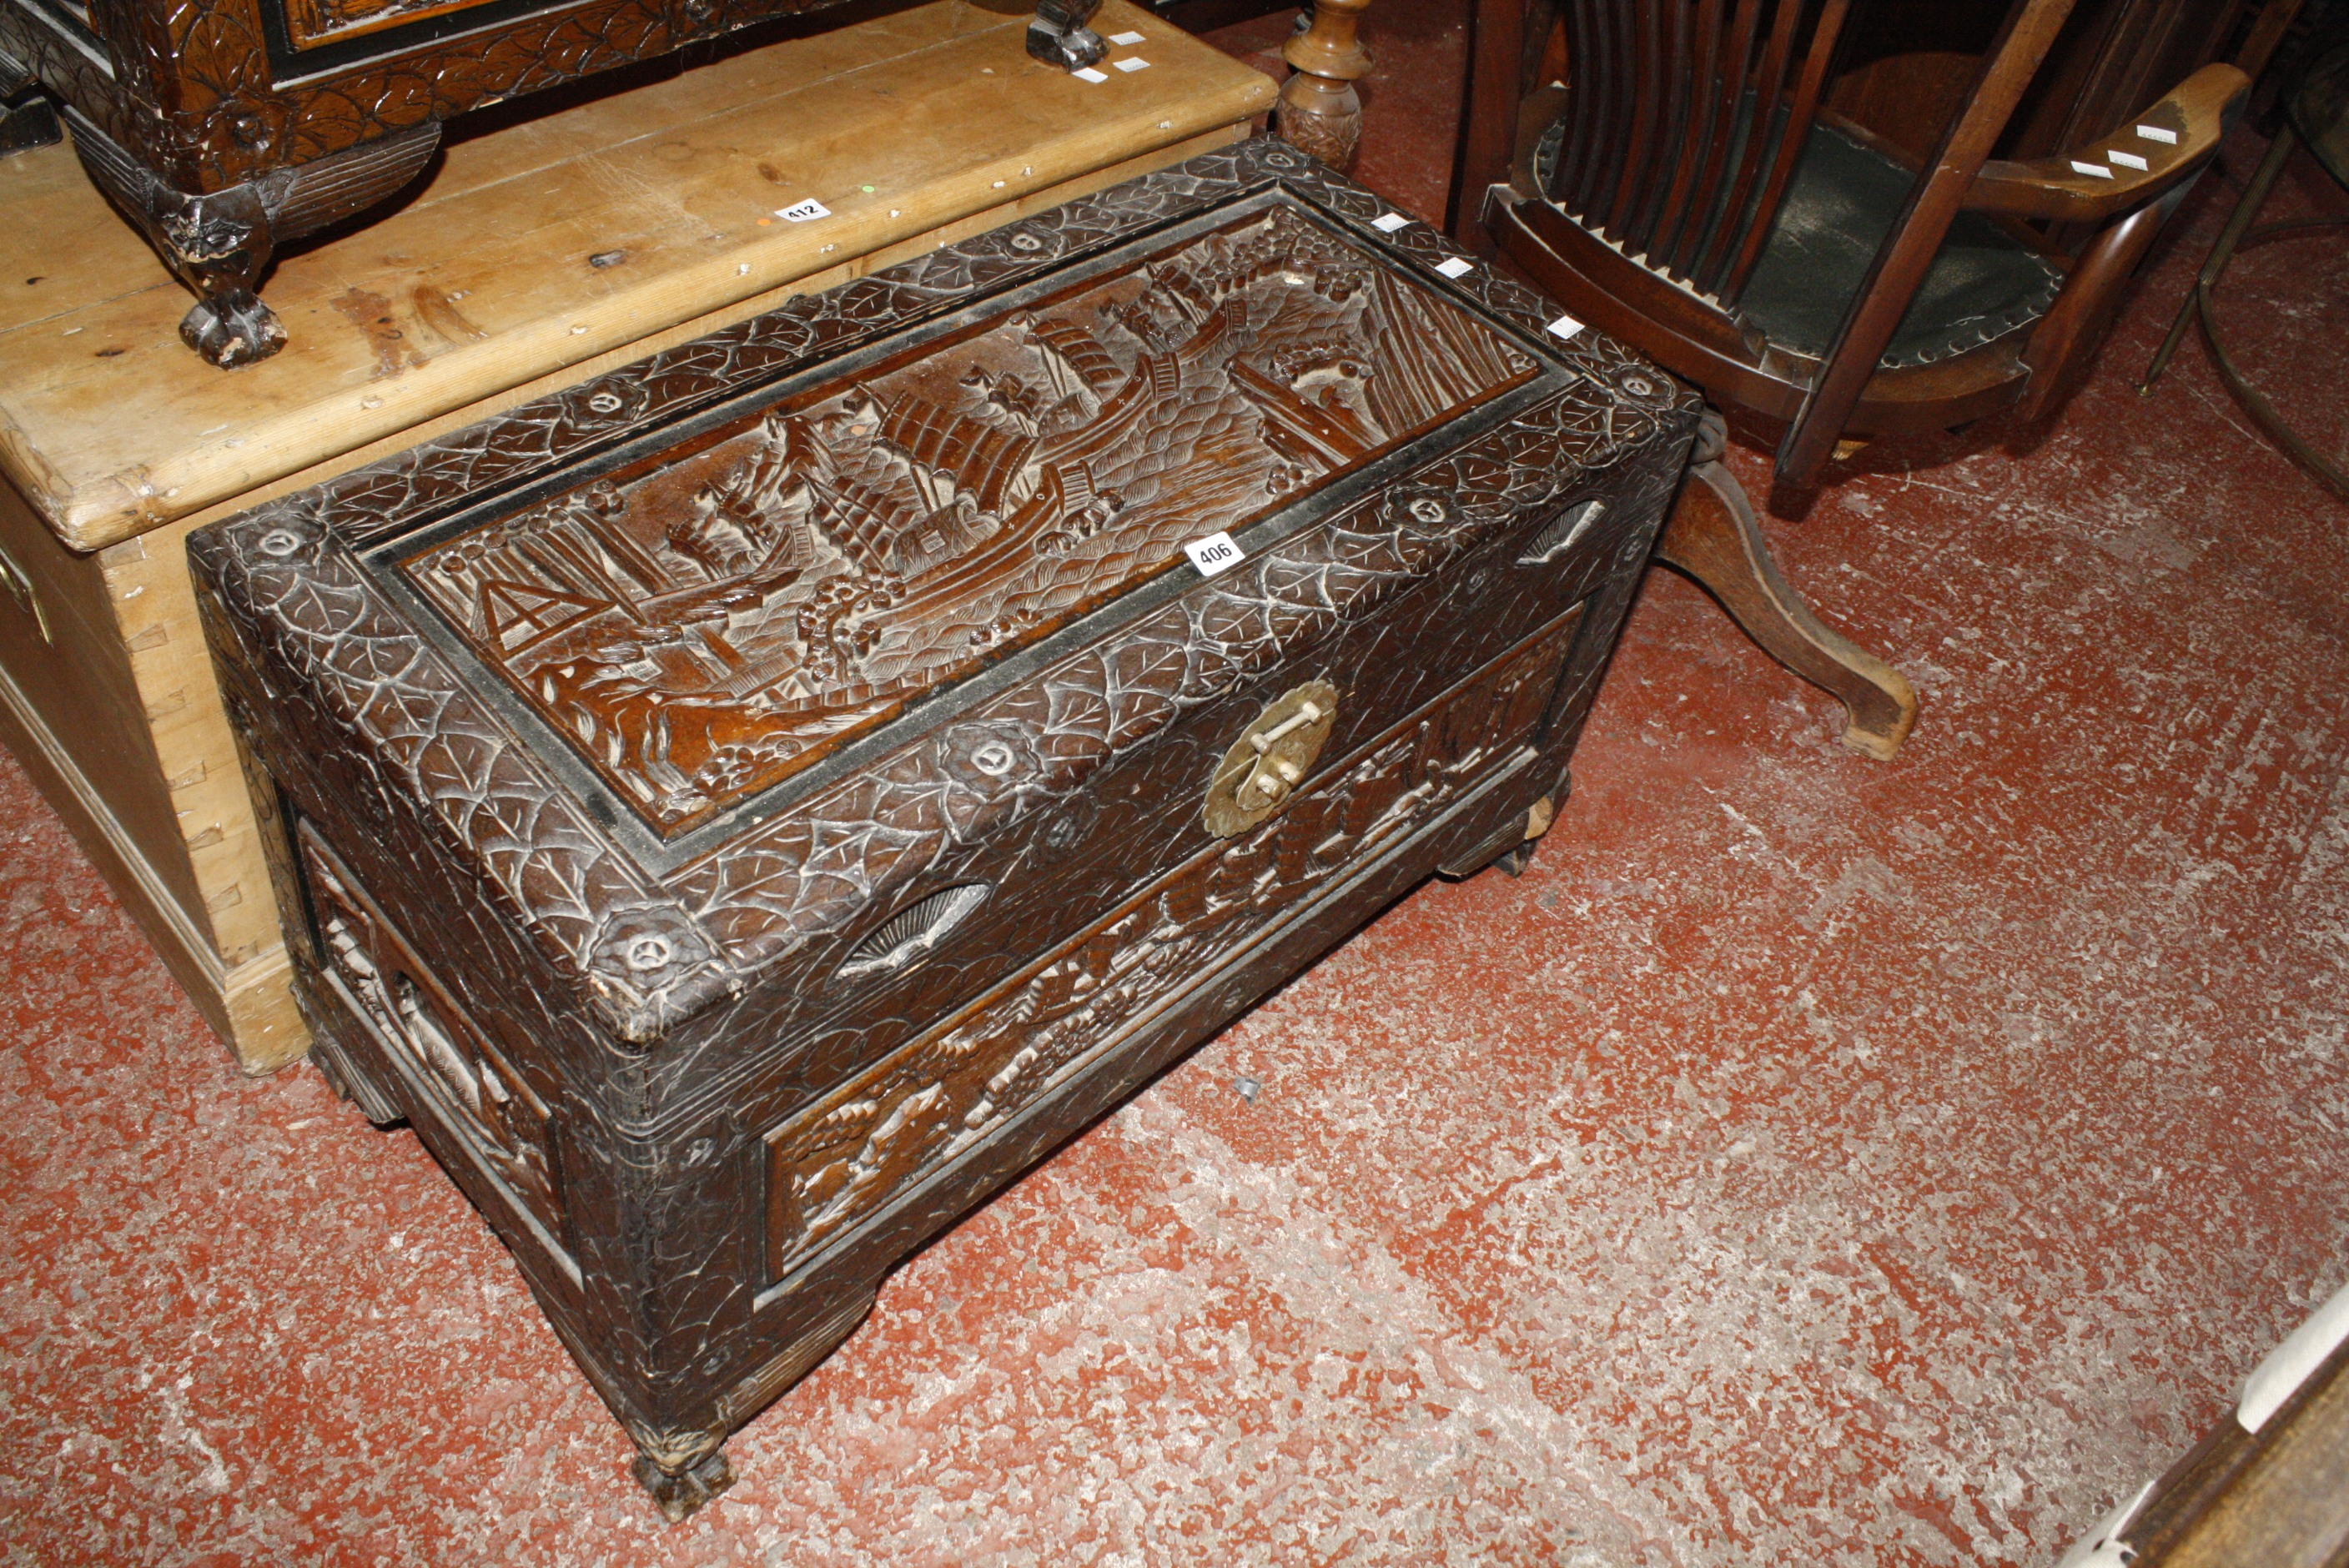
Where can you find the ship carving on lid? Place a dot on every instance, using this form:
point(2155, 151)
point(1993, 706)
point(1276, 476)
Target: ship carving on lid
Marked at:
point(704, 625)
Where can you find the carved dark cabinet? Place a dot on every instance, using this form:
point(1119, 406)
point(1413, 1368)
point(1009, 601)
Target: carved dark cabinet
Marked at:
point(747, 809)
point(226, 127)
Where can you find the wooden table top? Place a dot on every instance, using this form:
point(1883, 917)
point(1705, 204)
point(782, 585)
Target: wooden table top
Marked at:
point(545, 242)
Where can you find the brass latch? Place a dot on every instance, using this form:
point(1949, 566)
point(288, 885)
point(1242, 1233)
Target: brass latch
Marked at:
point(1271, 757)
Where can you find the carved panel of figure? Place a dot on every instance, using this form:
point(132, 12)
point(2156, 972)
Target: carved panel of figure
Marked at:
point(938, 1098)
point(480, 1096)
point(707, 627)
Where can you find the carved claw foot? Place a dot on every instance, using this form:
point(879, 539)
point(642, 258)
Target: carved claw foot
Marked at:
point(233, 329)
point(1058, 37)
point(680, 1495)
point(220, 242)
point(1715, 538)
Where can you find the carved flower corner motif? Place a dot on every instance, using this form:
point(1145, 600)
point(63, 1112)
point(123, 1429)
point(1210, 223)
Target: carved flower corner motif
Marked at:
point(1421, 508)
point(1637, 383)
point(608, 401)
point(279, 538)
point(1025, 242)
point(647, 950)
point(988, 756)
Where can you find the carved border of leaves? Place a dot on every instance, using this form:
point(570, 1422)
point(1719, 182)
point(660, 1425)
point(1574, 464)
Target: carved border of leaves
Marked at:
point(287, 573)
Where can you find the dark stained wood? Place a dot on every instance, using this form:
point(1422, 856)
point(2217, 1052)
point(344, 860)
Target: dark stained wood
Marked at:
point(704, 628)
point(1787, 151)
point(2274, 1497)
point(1692, 144)
point(1916, 239)
point(1061, 35)
point(1672, 282)
point(716, 1037)
point(2195, 113)
point(1496, 71)
point(1677, 252)
point(2062, 349)
point(1710, 270)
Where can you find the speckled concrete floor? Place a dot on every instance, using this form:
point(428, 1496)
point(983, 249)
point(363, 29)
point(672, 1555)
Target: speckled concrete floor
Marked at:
point(1809, 1160)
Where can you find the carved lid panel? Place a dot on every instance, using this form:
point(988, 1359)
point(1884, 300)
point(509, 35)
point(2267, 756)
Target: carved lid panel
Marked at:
point(705, 624)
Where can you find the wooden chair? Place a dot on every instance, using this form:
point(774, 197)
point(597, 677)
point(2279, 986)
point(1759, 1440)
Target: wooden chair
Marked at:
point(1685, 188)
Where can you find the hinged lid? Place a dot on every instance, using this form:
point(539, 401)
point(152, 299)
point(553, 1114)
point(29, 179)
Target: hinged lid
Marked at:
point(702, 624)
point(710, 659)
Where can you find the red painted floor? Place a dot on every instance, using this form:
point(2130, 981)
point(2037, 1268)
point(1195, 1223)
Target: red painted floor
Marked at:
point(1809, 1161)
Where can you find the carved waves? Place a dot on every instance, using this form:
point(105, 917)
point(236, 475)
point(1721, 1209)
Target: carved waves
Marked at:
point(704, 630)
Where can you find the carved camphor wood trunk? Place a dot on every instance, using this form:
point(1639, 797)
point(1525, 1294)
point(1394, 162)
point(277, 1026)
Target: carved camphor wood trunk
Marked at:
point(744, 810)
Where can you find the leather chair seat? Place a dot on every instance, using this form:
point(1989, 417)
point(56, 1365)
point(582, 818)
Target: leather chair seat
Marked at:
point(1839, 206)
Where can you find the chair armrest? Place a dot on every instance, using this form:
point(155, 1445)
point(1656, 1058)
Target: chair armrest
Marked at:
point(2138, 162)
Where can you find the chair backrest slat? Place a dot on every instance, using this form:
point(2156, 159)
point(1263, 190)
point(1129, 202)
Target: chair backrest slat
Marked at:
point(1765, 130)
point(1642, 54)
point(1700, 103)
point(1789, 152)
point(1589, 100)
point(1728, 90)
point(1615, 24)
point(1676, 44)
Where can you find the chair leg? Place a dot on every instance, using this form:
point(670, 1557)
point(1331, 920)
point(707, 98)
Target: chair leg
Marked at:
point(1715, 538)
point(2214, 265)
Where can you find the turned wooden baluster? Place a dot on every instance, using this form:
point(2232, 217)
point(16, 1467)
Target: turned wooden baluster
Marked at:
point(1319, 110)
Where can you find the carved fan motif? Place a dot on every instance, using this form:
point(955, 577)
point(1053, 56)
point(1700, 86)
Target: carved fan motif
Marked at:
point(914, 931)
point(704, 629)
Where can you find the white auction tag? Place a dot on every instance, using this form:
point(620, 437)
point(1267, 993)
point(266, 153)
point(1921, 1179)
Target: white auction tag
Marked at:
point(2154, 133)
point(1125, 40)
point(1133, 63)
point(1089, 75)
point(1214, 554)
point(2127, 160)
point(2098, 169)
point(1389, 223)
point(1458, 267)
point(1564, 328)
point(803, 211)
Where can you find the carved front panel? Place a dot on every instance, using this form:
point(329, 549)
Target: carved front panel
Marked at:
point(706, 625)
point(935, 1098)
point(478, 1093)
point(309, 22)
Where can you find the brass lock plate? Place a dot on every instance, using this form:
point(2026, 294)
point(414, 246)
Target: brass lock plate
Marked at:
point(1271, 757)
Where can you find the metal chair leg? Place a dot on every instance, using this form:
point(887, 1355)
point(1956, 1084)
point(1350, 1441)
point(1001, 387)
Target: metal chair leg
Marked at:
point(2270, 170)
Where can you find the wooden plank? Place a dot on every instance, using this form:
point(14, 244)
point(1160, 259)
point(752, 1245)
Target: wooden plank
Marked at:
point(545, 243)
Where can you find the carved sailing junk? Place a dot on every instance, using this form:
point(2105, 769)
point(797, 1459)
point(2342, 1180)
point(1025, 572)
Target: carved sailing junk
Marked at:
point(707, 629)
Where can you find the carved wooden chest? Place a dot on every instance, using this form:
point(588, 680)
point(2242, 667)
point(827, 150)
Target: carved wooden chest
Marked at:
point(746, 809)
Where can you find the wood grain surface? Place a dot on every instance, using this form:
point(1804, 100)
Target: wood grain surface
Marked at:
point(549, 242)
